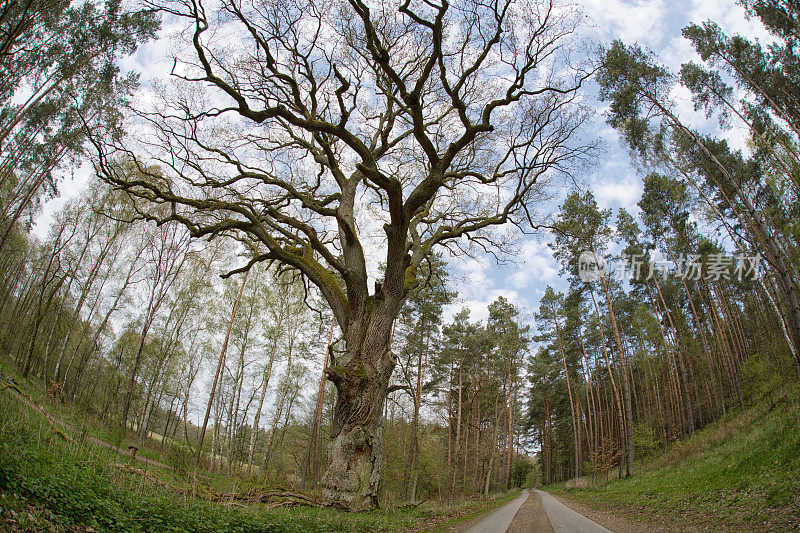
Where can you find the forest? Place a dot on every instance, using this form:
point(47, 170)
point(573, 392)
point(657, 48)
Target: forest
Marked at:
point(258, 298)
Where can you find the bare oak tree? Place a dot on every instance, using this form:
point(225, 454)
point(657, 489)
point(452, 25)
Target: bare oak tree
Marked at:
point(328, 134)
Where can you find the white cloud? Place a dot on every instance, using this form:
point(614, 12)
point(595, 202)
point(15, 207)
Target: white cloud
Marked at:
point(638, 21)
point(617, 185)
point(730, 17)
point(479, 307)
point(538, 265)
point(470, 279)
point(677, 52)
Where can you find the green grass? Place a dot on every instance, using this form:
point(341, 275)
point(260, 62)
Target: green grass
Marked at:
point(178, 456)
point(49, 483)
point(742, 472)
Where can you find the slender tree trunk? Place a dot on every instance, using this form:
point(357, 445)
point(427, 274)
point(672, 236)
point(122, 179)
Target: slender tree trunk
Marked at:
point(576, 438)
point(457, 449)
point(256, 421)
point(547, 444)
point(313, 437)
point(591, 399)
point(218, 371)
point(413, 452)
point(610, 372)
point(450, 418)
point(510, 429)
point(166, 424)
point(680, 360)
point(285, 391)
point(781, 318)
point(626, 385)
point(76, 314)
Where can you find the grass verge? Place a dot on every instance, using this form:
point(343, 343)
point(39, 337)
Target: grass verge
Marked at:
point(740, 473)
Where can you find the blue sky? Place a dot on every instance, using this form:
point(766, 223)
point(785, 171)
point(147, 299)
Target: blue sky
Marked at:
point(654, 24)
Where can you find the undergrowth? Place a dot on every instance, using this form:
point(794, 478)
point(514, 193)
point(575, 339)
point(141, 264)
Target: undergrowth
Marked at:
point(49, 481)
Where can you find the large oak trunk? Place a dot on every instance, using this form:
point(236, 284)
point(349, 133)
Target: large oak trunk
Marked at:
point(352, 479)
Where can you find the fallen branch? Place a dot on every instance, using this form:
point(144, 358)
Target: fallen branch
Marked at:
point(411, 505)
point(147, 475)
point(286, 498)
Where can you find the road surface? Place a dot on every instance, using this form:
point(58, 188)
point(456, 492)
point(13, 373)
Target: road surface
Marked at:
point(565, 520)
point(499, 520)
point(562, 518)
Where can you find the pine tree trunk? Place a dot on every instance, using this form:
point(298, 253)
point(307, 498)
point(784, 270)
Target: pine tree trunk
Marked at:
point(575, 426)
point(510, 429)
point(411, 455)
point(458, 426)
point(620, 409)
point(626, 384)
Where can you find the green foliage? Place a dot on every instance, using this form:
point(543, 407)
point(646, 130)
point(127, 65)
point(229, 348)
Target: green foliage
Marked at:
point(534, 478)
point(59, 71)
point(761, 379)
point(181, 458)
point(631, 79)
point(77, 486)
point(645, 439)
point(521, 470)
point(581, 226)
